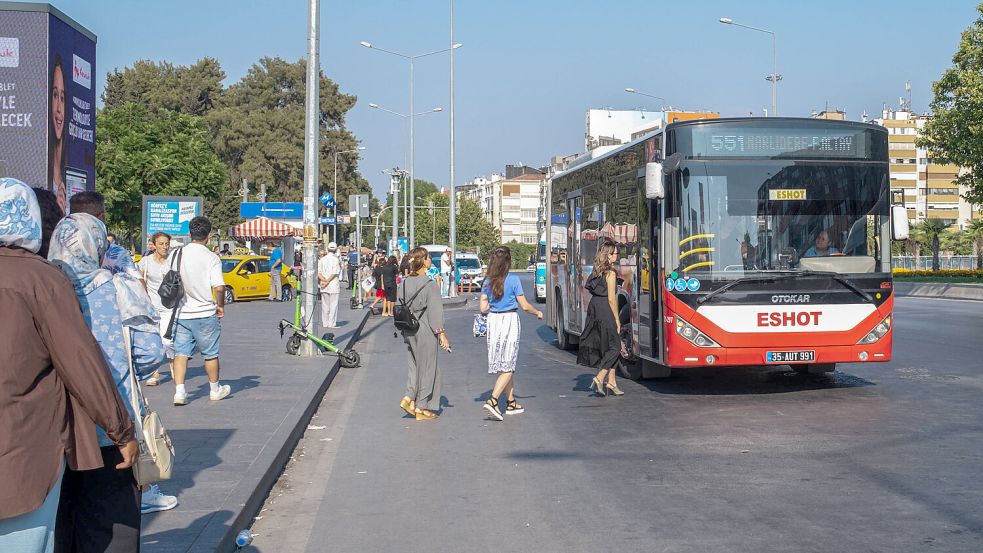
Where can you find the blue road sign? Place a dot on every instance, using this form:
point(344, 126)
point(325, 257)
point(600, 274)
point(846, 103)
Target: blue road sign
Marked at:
point(327, 220)
point(328, 200)
point(272, 210)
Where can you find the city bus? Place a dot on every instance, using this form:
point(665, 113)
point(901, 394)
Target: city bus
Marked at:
point(741, 242)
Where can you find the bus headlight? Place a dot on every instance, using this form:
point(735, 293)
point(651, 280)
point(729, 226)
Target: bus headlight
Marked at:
point(877, 332)
point(693, 334)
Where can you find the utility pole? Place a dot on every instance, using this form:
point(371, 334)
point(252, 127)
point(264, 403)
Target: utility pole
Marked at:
point(311, 172)
point(452, 220)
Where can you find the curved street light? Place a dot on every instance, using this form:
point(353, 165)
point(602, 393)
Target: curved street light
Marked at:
point(633, 91)
point(411, 58)
point(774, 77)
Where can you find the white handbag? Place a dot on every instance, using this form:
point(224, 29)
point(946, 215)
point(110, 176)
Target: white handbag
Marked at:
point(156, 459)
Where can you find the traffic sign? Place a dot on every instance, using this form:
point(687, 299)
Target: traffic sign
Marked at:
point(272, 210)
point(329, 220)
point(328, 200)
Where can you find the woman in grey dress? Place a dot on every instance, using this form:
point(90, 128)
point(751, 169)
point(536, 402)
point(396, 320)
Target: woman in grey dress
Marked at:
point(423, 298)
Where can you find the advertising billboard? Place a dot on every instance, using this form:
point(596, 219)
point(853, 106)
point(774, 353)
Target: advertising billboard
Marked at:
point(47, 99)
point(170, 214)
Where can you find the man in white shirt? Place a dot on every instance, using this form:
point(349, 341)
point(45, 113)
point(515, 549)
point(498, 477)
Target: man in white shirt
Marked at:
point(446, 268)
point(328, 273)
point(197, 325)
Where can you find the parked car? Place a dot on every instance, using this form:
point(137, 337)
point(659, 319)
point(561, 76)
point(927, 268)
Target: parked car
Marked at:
point(470, 270)
point(247, 277)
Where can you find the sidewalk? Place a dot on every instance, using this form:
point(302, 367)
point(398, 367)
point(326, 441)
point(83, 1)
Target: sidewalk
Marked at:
point(230, 452)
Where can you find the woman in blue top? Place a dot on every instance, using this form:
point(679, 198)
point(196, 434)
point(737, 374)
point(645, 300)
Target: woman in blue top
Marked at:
point(501, 298)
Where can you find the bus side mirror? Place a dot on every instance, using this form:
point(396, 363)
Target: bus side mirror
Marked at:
point(899, 222)
point(655, 187)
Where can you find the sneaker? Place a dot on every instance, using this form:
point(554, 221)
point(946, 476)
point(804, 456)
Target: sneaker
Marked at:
point(153, 500)
point(154, 379)
point(513, 408)
point(492, 407)
point(180, 399)
point(223, 391)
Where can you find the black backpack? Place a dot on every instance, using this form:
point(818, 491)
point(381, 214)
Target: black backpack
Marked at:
point(403, 318)
point(171, 288)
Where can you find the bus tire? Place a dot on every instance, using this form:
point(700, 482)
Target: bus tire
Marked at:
point(562, 336)
point(815, 368)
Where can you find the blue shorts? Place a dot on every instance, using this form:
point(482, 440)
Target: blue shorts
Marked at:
point(197, 334)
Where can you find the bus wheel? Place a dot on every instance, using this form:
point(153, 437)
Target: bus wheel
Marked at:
point(630, 370)
point(815, 368)
point(562, 336)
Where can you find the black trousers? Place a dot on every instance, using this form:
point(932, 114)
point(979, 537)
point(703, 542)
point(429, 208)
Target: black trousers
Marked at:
point(99, 510)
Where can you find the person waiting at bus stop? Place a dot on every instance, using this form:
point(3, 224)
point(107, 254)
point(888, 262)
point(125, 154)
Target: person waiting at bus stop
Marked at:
point(276, 265)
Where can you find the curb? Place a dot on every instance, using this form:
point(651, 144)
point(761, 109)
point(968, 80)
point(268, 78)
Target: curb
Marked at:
point(257, 497)
point(954, 291)
point(451, 303)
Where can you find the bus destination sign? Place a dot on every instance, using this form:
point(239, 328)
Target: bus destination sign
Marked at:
point(712, 141)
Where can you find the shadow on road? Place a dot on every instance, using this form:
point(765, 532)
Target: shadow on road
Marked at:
point(178, 538)
point(749, 381)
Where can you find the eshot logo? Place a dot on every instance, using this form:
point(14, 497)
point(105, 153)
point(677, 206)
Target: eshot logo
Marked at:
point(9, 51)
point(81, 72)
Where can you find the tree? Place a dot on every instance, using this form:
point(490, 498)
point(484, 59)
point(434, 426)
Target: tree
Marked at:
point(932, 229)
point(185, 89)
point(258, 131)
point(954, 133)
point(154, 153)
point(520, 253)
point(975, 232)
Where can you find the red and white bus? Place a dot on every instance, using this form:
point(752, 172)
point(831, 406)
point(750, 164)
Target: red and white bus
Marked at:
point(740, 242)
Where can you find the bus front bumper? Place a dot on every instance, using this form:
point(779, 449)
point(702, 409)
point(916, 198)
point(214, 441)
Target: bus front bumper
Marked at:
point(686, 355)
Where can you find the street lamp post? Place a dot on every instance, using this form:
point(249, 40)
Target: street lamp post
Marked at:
point(334, 230)
point(452, 218)
point(774, 77)
point(411, 115)
point(312, 132)
point(396, 193)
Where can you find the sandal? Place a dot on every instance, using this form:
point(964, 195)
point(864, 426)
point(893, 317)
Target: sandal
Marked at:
point(513, 408)
point(425, 415)
point(492, 407)
point(406, 404)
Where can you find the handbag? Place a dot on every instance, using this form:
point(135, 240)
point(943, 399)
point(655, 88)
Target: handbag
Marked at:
point(156, 459)
point(171, 287)
point(480, 326)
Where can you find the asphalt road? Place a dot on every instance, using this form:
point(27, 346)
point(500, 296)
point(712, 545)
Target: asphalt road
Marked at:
point(872, 458)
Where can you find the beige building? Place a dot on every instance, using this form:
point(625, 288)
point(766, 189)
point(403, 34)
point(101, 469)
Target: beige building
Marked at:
point(513, 203)
point(929, 188)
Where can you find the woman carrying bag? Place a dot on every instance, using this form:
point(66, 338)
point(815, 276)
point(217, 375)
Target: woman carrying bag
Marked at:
point(501, 298)
point(422, 297)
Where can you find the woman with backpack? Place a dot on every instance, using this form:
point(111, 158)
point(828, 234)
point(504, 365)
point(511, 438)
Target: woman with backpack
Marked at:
point(501, 298)
point(418, 298)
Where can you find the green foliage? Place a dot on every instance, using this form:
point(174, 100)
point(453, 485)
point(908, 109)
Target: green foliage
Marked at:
point(154, 153)
point(192, 89)
point(955, 132)
point(520, 254)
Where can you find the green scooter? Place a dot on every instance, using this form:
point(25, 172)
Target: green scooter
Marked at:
point(325, 343)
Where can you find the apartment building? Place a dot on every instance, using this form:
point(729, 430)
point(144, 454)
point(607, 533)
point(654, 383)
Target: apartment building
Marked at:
point(512, 202)
point(929, 188)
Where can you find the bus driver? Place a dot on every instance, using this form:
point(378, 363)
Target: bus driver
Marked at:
point(822, 247)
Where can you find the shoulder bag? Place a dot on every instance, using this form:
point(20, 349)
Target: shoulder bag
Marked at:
point(156, 459)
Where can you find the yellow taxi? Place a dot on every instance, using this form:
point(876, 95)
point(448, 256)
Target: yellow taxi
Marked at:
point(247, 277)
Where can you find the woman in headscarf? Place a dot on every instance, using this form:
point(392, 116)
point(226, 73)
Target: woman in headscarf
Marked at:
point(103, 506)
point(54, 384)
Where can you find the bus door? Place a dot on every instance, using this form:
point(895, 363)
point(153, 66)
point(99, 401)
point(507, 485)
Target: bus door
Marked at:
point(649, 298)
point(573, 300)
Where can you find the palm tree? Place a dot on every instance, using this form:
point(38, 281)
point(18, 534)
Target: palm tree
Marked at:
point(932, 229)
point(913, 244)
point(975, 231)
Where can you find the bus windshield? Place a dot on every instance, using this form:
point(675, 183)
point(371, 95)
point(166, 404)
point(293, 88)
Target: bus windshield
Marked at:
point(728, 218)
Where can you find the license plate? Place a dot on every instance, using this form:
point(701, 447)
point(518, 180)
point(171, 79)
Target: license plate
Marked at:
point(791, 356)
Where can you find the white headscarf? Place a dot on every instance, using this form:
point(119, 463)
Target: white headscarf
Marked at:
point(20, 216)
point(78, 246)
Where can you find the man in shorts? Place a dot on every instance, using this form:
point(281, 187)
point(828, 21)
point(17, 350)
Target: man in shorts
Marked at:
point(199, 312)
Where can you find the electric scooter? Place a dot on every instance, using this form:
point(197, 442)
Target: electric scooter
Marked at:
point(325, 343)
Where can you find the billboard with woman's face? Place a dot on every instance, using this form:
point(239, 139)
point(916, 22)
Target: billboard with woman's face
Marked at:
point(47, 100)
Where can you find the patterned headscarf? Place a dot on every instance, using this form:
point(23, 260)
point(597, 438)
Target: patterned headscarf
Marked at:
point(78, 246)
point(20, 216)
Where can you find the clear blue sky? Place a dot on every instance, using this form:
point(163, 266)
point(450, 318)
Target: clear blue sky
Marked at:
point(530, 69)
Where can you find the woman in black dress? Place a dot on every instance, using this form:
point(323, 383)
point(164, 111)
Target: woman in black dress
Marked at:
point(600, 343)
point(388, 272)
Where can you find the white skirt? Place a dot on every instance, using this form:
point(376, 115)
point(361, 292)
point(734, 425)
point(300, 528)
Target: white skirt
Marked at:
point(503, 341)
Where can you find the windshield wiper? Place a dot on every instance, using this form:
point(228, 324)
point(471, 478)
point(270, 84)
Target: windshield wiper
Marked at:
point(784, 275)
point(745, 280)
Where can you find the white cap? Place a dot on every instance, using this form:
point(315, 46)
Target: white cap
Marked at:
point(332, 246)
